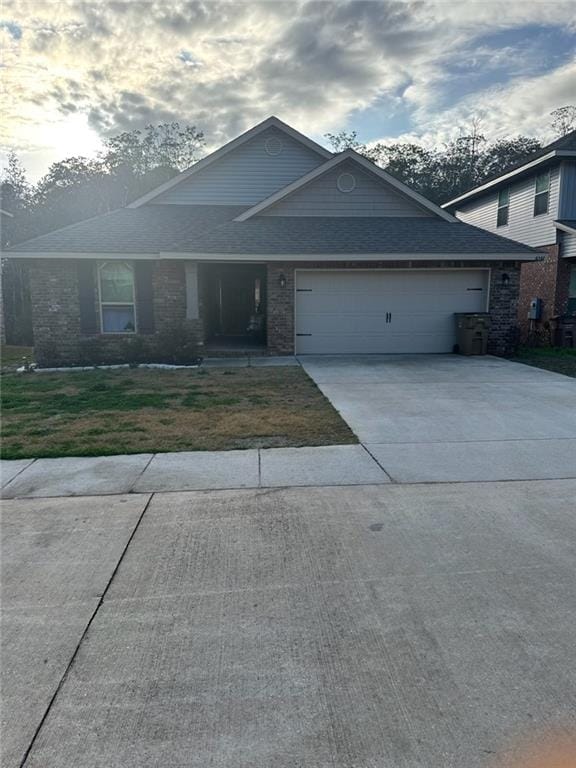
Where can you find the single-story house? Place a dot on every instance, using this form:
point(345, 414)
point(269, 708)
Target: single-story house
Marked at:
point(534, 202)
point(271, 243)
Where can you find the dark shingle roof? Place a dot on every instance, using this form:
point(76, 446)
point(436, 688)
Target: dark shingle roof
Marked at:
point(148, 229)
point(211, 230)
point(353, 234)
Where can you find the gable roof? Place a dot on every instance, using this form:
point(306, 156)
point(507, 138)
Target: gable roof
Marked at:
point(334, 162)
point(224, 150)
point(212, 232)
point(564, 147)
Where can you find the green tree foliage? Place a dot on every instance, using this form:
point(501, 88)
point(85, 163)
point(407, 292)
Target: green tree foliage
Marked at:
point(442, 173)
point(77, 188)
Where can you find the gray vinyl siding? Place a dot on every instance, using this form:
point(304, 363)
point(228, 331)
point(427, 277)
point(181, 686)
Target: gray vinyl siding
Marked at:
point(568, 248)
point(247, 175)
point(522, 226)
point(567, 205)
point(371, 197)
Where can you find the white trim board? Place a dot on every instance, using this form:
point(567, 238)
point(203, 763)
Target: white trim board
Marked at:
point(472, 193)
point(367, 165)
point(565, 228)
point(271, 122)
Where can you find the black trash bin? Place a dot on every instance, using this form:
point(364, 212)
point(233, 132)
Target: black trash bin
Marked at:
point(472, 329)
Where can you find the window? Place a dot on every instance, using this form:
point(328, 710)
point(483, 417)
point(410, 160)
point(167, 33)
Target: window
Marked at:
point(572, 291)
point(117, 305)
point(542, 193)
point(503, 205)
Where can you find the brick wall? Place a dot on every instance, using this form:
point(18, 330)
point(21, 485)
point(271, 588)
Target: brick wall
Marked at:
point(543, 280)
point(56, 315)
point(503, 299)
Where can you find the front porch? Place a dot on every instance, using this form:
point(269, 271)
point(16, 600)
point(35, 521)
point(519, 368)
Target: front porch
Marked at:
point(233, 302)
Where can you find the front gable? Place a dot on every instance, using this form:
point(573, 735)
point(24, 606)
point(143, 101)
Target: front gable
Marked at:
point(346, 185)
point(347, 190)
point(246, 170)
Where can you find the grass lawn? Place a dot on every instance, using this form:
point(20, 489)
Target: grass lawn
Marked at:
point(13, 357)
point(139, 411)
point(557, 359)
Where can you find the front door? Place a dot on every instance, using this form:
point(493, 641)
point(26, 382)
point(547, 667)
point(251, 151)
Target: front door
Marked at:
point(237, 302)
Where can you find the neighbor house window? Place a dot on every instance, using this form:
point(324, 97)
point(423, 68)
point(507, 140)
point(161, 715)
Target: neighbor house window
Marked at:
point(572, 291)
point(542, 193)
point(503, 204)
point(117, 304)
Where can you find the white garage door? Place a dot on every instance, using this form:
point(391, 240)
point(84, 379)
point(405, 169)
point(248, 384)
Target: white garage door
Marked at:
point(344, 312)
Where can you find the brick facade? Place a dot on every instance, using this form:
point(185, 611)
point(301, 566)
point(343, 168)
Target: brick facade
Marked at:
point(503, 298)
point(539, 279)
point(58, 339)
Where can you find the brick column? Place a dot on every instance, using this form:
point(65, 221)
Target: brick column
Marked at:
point(504, 286)
point(280, 309)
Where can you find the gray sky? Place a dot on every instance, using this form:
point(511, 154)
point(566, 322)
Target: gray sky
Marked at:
point(74, 72)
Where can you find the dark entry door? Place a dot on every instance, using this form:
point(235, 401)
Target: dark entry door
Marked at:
point(237, 300)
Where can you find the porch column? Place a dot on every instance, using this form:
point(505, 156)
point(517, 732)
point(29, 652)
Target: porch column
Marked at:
point(192, 300)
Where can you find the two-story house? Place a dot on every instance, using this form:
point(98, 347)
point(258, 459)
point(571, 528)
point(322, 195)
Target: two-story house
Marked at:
point(534, 203)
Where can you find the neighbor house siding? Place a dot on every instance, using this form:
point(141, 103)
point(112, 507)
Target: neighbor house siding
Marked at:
point(567, 204)
point(523, 226)
point(370, 197)
point(503, 303)
point(246, 175)
point(568, 246)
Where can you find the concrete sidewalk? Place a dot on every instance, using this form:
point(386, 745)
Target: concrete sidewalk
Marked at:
point(191, 471)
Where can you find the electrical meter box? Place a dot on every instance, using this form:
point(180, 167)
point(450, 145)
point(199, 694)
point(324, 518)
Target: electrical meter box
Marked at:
point(535, 312)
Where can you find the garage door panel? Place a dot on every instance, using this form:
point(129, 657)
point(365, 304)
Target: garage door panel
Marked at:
point(346, 311)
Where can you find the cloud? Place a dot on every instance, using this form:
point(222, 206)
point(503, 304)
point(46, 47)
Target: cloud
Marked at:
point(223, 66)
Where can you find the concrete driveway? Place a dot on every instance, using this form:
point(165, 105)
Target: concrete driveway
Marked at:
point(444, 418)
point(405, 626)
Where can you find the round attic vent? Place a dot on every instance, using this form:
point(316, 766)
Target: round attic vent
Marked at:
point(346, 182)
point(273, 145)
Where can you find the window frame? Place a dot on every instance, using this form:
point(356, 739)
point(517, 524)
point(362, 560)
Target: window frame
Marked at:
point(104, 304)
point(542, 193)
point(503, 207)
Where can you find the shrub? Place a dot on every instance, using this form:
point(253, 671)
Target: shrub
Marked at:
point(178, 346)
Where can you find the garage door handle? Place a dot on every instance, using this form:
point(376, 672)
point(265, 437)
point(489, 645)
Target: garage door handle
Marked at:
point(388, 317)
point(303, 334)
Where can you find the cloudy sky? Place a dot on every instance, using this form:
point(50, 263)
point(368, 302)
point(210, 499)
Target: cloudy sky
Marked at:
point(73, 72)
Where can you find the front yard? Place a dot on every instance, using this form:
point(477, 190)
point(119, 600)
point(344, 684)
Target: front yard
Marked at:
point(140, 411)
point(556, 359)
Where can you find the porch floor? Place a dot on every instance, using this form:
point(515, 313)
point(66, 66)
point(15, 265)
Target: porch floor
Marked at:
point(235, 345)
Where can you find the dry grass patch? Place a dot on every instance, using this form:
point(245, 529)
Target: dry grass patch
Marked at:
point(139, 411)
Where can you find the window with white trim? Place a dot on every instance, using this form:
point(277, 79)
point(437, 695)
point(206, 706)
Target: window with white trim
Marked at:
point(117, 297)
point(542, 193)
point(503, 207)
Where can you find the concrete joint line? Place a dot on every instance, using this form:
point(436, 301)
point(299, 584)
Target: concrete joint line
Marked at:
point(82, 637)
point(19, 473)
point(259, 468)
point(375, 460)
point(151, 459)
